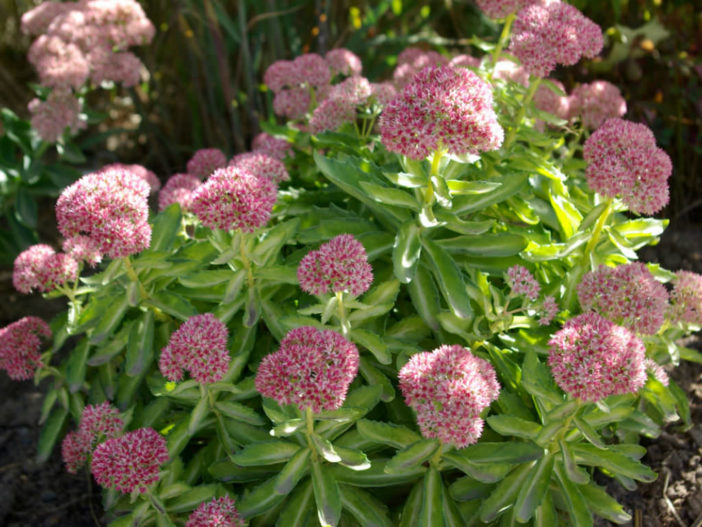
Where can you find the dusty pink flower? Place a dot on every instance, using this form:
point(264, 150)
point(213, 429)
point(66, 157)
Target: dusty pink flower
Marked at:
point(130, 462)
point(280, 75)
point(549, 309)
point(596, 102)
point(686, 298)
point(40, 267)
point(448, 388)
point(443, 107)
point(205, 161)
point(219, 512)
point(339, 265)
point(60, 64)
point(355, 90)
point(413, 60)
point(82, 249)
point(383, 92)
point(123, 67)
point(592, 358)
point(549, 33)
point(198, 346)
point(312, 369)
point(522, 282)
point(627, 295)
point(36, 21)
point(97, 423)
point(292, 103)
point(547, 100)
point(272, 146)
point(341, 61)
point(313, 69)
point(657, 371)
point(178, 189)
point(507, 70)
point(464, 60)
point(51, 117)
point(501, 8)
point(234, 199)
point(331, 114)
point(110, 207)
point(19, 347)
point(138, 170)
point(262, 165)
point(623, 160)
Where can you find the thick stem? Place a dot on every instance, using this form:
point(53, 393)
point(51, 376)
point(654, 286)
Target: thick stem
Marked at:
point(504, 37)
point(522, 111)
point(341, 313)
point(131, 273)
point(309, 430)
point(247, 263)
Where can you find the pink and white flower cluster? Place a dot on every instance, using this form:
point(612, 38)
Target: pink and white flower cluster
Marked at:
point(592, 358)
point(501, 8)
point(138, 170)
point(449, 388)
point(312, 370)
point(41, 268)
point(19, 347)
point(522, 283)
point(205, 161)
point(199, 346)
point(97, 424)
point(340, 265)
point(59, 111)
point(219, 512)
point(686, 298)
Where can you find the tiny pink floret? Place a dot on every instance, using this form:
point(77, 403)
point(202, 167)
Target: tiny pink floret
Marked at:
point(522, 282)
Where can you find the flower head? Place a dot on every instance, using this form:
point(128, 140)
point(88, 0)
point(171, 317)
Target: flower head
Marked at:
point(331, 114)
point(383, 92)
point(272, 146)
point(551, 32)
point(443, 107)
point(507, 70)
point(341, 61)
point(596, 102)
point(448, 388)
point(686, 298)
point(549, 309)
point(522, 282)
point(627, 295)
point(312, 70)
point(138, 170)
point(464, 60)
point(205, 161)
point(19, 347)
point(413, 60)
point(130, 462)
point(262, 165)
point(501, 8)
point(340, 265)
point(219, 512)
point(41, 268)
point(657, 371)
point(592, 358)
point(37, 20)
point(280, 75)
point(198, 346)
point(234, 199)
point(111, 208)
point(97, 423)
point(292, 103)
point(546, 100)
point(623, 160)
point(51, 117)
point(312, 369)
point(82, 249)
point(178, 189)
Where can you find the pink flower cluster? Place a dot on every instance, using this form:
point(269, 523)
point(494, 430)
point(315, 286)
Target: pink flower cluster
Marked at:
point(293, 82)
point(507, 70)
point(178, 189)
point(109, 207)
point(343, 62)
point(340, 265)
point(627, 295)
point(592, 358)
point(549, 309)
point(82, 249)
point(686, 298)
point(443, 107)
point(596, 102)
point(219, 512)
point(198, 346)
point(623, 160)
point(339, 105)
point(413, 60)
point(138, 170)
point(51, 117)
point(551, 32)
point(40, 267)
point(234, 199)
point(312, 369)
point(501, 8)
point(271, 146)
point(205, 161)
point(448, 388)
point(19, 347)
point(261, 165)
point(130, 462)
point(547, 100)
point(97, 424)
point(522, 282)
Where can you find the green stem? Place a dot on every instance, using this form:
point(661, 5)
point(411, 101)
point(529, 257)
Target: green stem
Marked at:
point(595, 238)
point(309, 421)
point(341, 313)
point(247, 263)
point(504, 37)
point(522, 111)
point(131, 273)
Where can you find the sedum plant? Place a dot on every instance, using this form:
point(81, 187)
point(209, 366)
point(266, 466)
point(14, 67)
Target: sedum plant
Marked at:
point(417, 305)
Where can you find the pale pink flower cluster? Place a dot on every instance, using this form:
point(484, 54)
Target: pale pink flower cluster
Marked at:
point(178, 189)
point(657, 371)
point(138, 170)
point(219, 512)
point(413, 60)
point(130, 462)
point(501, 8)
point(551, 32)
point(51, 117)
point(547, 100)
point(261, 165)
point(341, 61)
point(294, 81)
point(340, 265)
point(522, 282)
point(686, 298)
point(627, 295)
point(199, 346)
point(549, 310)
point(592, 358)
point(507, 70)
point(110, 207)
point(272, 146)
point(41, 268)
point(339, 106)
point(97, 424)
point(234, 199)
point(464, 61)
point(19, 347)
point(596, 102)
point(448, 388)
point(623, 161)
point(382, 93)
point(312, 369)
point(205, 161)
point(82, 249)
point(442, 108)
